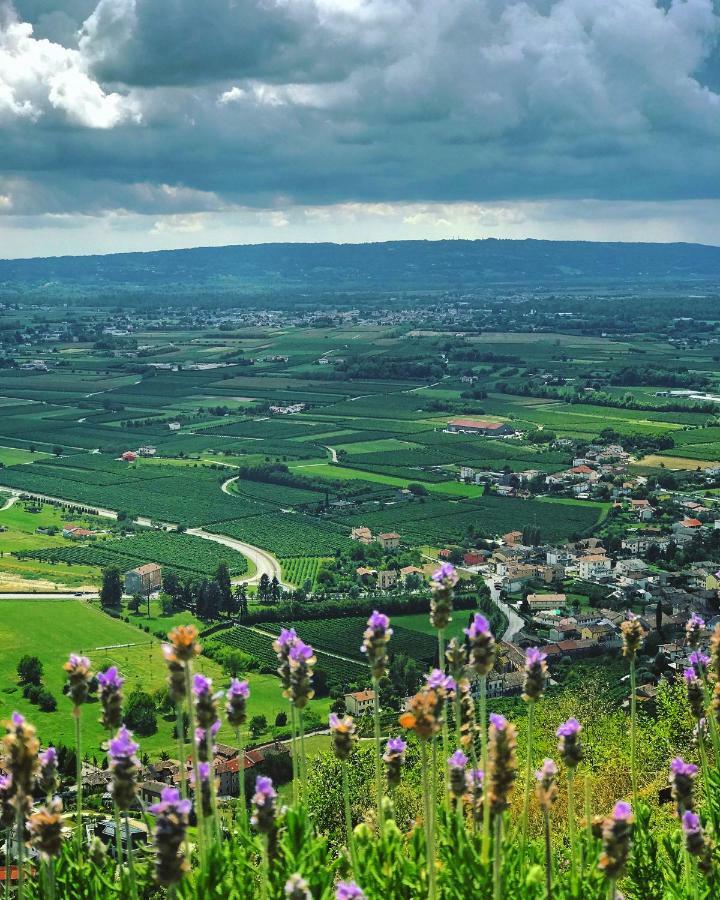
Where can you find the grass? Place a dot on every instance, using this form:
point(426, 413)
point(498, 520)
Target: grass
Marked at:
point(51, 629)
point(12, 456)
point(42, 576)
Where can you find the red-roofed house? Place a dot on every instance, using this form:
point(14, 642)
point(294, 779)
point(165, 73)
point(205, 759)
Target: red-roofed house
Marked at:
point(479, 426)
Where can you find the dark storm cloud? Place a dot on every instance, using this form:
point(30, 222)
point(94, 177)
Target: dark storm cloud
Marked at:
point(171, 106)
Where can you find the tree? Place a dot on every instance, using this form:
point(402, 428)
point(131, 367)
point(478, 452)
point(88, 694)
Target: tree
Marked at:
point(222, 577)
point(30, 670)
point(46, 701)
point(57, 450)
point(111, 590)
point(281, 720)
point(264, 587)
point(214, 601)
point(140, 713)
point(134, 603)
point(275, 589)
point(258, 725)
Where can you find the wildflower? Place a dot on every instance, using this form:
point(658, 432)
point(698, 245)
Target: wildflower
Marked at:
point(20, 752)
point(47, 779)
point(264, 806)
point(682, 779)
point(546, 788)
point(45, 827)
point(183, 640)
point(424, 715)
point(633, 636)
point(206, 712)
point(439, 681)
point(715, 650)
point(535, 674)
point(694, 629)
point(442, 585)
point(79, 677)
point(237, 696)
point(176, 674)
point(695, 841)
point(97, 853)
point(695, 693)
point(282, 646)
point(481, 645)
point(348, 890)
point(569, 745)
point(503, 762)
point(468, 722)
point(7, 810)
point(457, 763)
point(111, 682)
point(296, 888)
point(456, 658)
point(616, 841)
point(301, 661)
point(203, 794)
point(124, 766)
point(715, 704)
point(204, 739)
point(375, 640)
point(342, 735)
point(474, 780)
point(394, 759)
point(171, 821)
point(699, 661)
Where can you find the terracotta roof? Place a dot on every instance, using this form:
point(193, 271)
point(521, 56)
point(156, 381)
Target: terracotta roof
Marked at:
point(390, 534)
point(362, 696)
point(691, 523)
point(476, 423)
point(144, 569)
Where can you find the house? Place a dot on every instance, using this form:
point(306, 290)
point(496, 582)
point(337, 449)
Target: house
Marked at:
point(642, 542)
point(364, 572)
point(479, 426)
point(466, 473)
point(501, 684)
point(362, 534)
point(474, 558)
point(386, 578)
point(129, 456)
point(143, 579)
point(390, 540)
point(703, 576)
point(631, 568)
point(594, 565)
point(411, 570)
point(76, 532)
point(537, 602)
point(147, 451)
point(227, 770)
point(360, 703)
point(571, 648)
point(512, 538)
point(687, 526)
point(174, 426)
point(598, 631)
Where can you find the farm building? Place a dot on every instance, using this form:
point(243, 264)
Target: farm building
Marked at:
point(129, 456)
point(143, 579)
point(479, 426)
point(362, 534)
point(76, 532)
point(389, 541)
point(536, 602)
point(359, 703)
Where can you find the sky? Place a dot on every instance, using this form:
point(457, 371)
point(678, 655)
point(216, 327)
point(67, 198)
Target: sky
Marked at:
point(151, 124)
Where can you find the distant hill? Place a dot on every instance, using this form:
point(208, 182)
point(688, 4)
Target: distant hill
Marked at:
point(392, 265)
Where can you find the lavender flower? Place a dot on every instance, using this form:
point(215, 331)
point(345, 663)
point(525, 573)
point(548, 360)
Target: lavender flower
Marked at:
point(695, 841)
point(296, 888)
point(7, 810)
point(694, 629)
point(456, 658)
point(375, 640)
point(203, 793)
point(569, 745)
point(699, 661)
point(535, 674)
point(264, 805)
point(546, 788)
point(616, 833)
point(47, 779)
point(176, 674)
point(20, 756)
point(342, 735)
point(394, 759)
point(184, 642)
point(682, 780)
point(111, 682)
point(715, 650)
point(695, 693)
point(237, 696)
point(437, 680)
point(442, 585)
point(457, 763)
point(481, 645)
point(79, 677)
point(502, 762)
point(424, 713)
point(170, 829)
point(302, 660)
point(474, 781)
point(633, 636)
point(45, 827)
point(348, 890)
point(206, 713)
point(282, 646)
point(124, 766)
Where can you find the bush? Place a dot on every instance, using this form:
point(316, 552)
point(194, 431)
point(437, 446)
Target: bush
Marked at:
point(31, 692)
point(30, 670)
point(46, 701)
point(140, 714)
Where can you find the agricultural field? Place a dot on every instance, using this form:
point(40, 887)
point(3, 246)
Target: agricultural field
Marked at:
point(297, 570)
point(288, 534)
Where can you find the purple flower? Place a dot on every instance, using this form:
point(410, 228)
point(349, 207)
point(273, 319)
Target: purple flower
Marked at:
point(264, 789)
point(569, 728)
point(446, 572)
point(48, 757)
point(348, 890)
point(5, 782)
point(75, 661)
point(679, 767)
point(548, 770)
point(201, 685)
point(396, 745)
point(438, 680)
point(122, 746)
point(458, 760)
point(622, 811)
point(111, 678)
point(18, 720)
point(691, 823)
point(170, 802)
point(301, 651)
point(476, 776)
point(534, 657)
point(498, 722)
point(695, 621)
point(287, 638)
point(378, 621)
point(239, 689)
point(478, 626)
point(699, 659)
point(689, 674)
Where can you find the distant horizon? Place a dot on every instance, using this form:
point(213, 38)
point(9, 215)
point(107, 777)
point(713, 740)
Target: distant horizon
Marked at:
point(517, 240)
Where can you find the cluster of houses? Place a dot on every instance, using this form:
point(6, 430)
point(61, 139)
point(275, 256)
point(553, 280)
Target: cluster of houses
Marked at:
point(389, 540)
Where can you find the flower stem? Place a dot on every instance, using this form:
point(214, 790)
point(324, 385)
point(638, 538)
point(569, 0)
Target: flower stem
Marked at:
point(548, 856)
point(378, 753)
point(633, 716)
point(78, 796)
point(131, 858)
point(19, 834)
point(118, 843)
point(497, 858)
point(348, 816)
point(242, 801)
point(215, 825)
point(200, 826)
point(181, 748)
point(303, 758)
point(571, 826)
point(528, 776)
point(293, 753)
point(429, 842)
point(484, 753)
